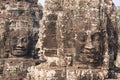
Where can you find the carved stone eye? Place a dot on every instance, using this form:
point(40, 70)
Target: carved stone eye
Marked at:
point(24, 39)
point(96, 37)
point(14, 39)
point(82, 37)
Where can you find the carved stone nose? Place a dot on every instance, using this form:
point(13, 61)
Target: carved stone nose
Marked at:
point(89, 44)
point(19, 43)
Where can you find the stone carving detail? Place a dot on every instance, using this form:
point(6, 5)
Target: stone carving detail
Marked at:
point(77, 40)
point(19, 28)
point(82, 36)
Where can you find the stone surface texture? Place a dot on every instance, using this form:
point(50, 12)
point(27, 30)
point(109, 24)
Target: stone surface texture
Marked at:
point(70, 40)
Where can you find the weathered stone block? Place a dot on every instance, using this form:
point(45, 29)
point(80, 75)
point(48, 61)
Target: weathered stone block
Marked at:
point(16, 68)
point(50, 42)
point(51, 53)
point(52, 17)
point(50, 28)
point(2, 62)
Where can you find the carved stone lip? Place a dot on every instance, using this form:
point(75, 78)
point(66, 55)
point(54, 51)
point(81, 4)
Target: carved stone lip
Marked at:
point(89, 52)
point(23, 49)
point(20, 51)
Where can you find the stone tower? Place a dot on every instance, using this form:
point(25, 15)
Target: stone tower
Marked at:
point(19, 25)
point(77, 39)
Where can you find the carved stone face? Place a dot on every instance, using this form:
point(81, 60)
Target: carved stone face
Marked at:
point(19, 41)
point(88, 47)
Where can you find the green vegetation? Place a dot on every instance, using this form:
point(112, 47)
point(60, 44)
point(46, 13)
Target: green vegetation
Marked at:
point(118, 16)
point(118, 24)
